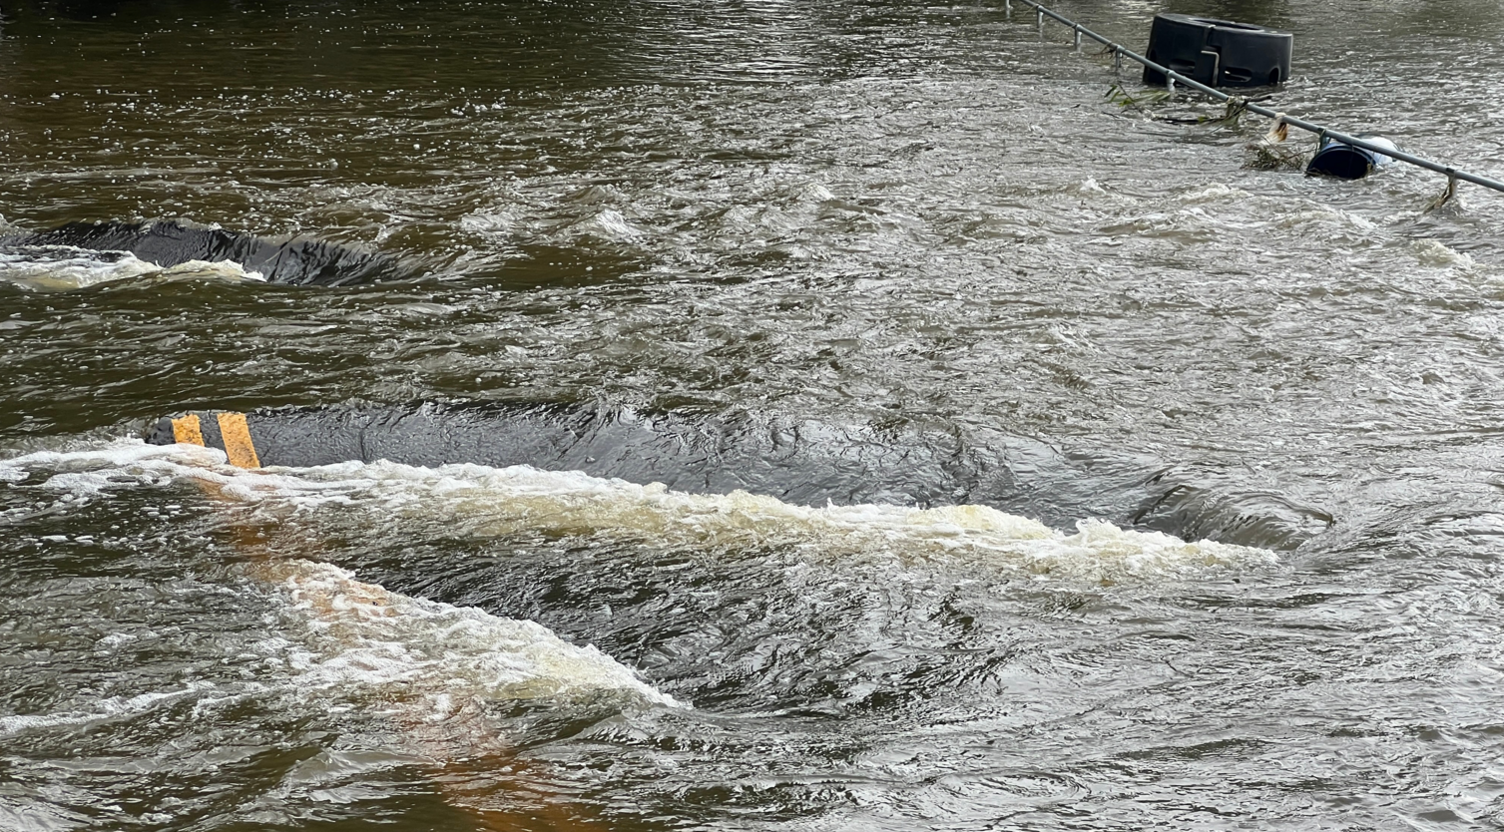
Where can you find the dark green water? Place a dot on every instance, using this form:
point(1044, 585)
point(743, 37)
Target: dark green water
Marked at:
point(920, 227)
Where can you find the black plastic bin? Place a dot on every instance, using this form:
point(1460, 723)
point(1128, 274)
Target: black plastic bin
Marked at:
point(1218, 53)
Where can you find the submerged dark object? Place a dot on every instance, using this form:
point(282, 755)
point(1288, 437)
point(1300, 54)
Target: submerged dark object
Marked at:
point(801, 462)
point(1218, 53)
point(169, 243)
point(1346, 161)
point(798, 461)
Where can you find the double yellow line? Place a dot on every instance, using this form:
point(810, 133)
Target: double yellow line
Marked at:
point(234, 434)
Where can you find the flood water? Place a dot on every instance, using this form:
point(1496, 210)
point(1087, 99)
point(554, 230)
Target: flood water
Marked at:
point(1163, 491)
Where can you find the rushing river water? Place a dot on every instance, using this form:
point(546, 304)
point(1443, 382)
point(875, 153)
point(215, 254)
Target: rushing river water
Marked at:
point(1090, 478)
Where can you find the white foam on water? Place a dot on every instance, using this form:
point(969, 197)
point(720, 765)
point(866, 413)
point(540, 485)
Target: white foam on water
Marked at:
point(65, 267)
point(609, 224)
point(362, 636)
point(488, 502)
point(1325, 221)
point(1214, 192)
point(495, 223)
point(354, 636)
point(1433, 253)
point(429, 667)
point(110, 708)
point(60, 268)
point(89, 471)
point(227, 270)
point(1089, 187)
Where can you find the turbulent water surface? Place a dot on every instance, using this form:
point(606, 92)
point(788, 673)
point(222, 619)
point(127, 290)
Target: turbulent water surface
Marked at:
point(1007, 456)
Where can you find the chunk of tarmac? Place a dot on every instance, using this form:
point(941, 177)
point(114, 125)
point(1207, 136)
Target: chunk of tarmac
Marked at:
point(168, 243)
point(802, 462)
point(799, 461)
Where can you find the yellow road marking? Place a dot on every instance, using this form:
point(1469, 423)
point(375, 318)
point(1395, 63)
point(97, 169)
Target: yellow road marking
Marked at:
point(186, 431)
point(238, 445)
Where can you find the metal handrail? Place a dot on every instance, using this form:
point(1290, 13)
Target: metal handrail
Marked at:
point(1320, 130)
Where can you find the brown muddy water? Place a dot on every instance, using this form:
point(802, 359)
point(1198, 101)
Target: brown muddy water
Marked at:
point(1154, 491)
